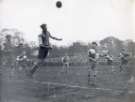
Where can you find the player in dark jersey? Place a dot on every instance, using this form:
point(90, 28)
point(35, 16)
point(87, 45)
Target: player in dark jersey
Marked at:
point(92, 60)
point(44, 47)
point(123, 59)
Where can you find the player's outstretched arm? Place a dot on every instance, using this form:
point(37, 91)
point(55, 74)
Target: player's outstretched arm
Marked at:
point(55, 38)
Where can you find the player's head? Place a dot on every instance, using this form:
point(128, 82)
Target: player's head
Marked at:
point(43, 27)
point(94, 45)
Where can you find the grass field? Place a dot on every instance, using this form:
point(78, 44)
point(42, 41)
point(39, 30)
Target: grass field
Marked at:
point(51, 84)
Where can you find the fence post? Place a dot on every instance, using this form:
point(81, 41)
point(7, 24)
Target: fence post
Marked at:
point(48, 89)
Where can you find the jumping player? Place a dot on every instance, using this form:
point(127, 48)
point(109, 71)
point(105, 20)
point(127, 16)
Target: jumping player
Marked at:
point(44, 47)
point(92, 60)
point(65, 62)
point(123, 59)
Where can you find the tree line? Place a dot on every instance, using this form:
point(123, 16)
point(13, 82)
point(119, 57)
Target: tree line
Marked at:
point(12, 43)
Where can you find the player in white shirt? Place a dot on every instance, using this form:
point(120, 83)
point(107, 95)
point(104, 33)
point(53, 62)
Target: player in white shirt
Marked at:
point(92, 60)
point(20, 63)
point(65, 63)
point(21, 60)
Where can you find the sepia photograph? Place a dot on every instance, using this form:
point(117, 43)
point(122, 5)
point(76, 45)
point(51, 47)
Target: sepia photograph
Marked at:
point(67, 50)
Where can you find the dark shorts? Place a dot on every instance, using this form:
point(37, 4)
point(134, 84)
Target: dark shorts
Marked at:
point(43, 52)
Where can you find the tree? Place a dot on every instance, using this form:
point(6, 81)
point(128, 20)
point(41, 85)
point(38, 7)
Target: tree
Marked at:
point(130, 45)
point(113, 44)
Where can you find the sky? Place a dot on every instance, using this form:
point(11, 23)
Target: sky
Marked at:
point(77, 20)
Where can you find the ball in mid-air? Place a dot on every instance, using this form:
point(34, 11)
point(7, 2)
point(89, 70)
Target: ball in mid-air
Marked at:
point(58, 4)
